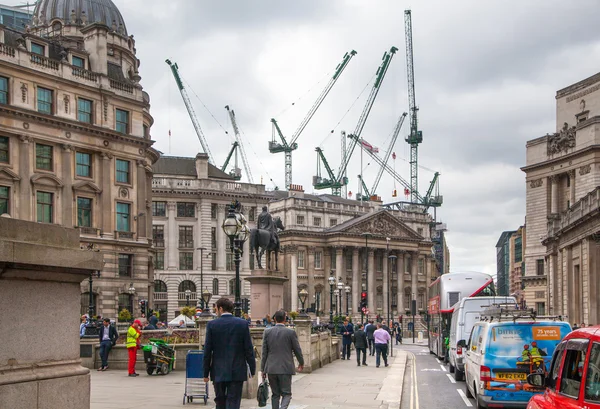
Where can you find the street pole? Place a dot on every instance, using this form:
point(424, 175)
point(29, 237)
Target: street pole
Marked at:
point(331, 282)
point(235, 248)
point(91, 306)
point(201, 275)
point(367, 268)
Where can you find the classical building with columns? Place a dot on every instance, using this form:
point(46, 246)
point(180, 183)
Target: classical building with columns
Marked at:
point(190, 202)
point(562, 256)
point(75, 146)
point(353, 241)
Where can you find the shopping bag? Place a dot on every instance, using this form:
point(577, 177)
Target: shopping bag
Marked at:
point(262, 396)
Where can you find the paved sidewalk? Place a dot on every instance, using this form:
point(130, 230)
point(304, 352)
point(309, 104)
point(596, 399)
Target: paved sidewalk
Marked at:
point(338, 385)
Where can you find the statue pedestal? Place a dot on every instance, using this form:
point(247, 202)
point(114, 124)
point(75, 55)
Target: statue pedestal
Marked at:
point(266, 289)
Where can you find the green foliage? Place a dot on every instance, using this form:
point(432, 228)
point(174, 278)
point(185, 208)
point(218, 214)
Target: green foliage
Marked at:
point(293, 314)
point(157, 314)
point(188, 311)
point(124, 315)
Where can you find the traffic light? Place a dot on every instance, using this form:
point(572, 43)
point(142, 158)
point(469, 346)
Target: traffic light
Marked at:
point(363, 300)
point(143, 306)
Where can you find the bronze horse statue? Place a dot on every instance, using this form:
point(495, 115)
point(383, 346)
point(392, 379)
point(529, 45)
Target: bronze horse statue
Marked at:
point(262, 240)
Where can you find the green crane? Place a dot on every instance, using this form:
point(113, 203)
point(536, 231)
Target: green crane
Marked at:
point(320, 182)
point(339, 180)
point(289, 146)
point(236, 172)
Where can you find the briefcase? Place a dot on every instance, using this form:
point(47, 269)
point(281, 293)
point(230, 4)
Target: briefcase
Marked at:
point(262, 396)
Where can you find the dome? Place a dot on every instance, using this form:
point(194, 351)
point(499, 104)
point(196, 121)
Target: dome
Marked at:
point(93, 11)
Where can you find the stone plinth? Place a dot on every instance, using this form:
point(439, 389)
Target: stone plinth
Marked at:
point(266, 291)
point(41, 268)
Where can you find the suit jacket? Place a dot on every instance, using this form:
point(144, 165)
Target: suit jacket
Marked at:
point(228, 350)
point(112, 334)
point(370, 329)
point(347, 339)
point(278, 344)
point(360, 339)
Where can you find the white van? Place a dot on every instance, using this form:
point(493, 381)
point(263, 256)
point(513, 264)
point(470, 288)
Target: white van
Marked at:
point(465, 315)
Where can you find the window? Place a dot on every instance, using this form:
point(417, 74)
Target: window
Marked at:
point(123, 171)
point(592, 381)
point(213, 238)
point(186, 260)
point(158, 235)
point(85, 302)
point(186, 209)
point(3, 90)
point(332, 222)
point(125, 265)
point(84, 212)
point(215, 286)
point(540, 267)
point(186, 237)
point(126, 302)
point(229, 261)
point(146, 131)
point(159, 209)
point(44, 100)
point(300, 220)
point(78, 62)
point(38, 49)
point(555, 366)
point(84, 110)
point(317, 221)
point(232, 286)
point(122, 122)
point(333, 260)
point(379, 262)
point(213, 211)
point(518, 249)
point(159, 262)
point(213, 260)
point(160, 286)
point(349, 262)
point(318, 259)
point(252, 214)
point(44, 207)
point(123, 216)
point(421, 266)
point(540, 294)
point(4, 200)
point(301, 259)
point(187, 285)
point(43, 157)
point(540, 308)
point(83, 164)
point(4, 143)
point(421, 301)
point(573, 367)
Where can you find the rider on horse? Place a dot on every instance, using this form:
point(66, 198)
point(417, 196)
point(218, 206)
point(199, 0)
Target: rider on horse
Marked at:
point(265, 222)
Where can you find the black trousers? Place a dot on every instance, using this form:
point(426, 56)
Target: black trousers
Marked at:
point(372, 346)
point(281, 388)
point(382, 350)
point(364, 354)
point(228, 395)
point(346, 348)
point(105, 347)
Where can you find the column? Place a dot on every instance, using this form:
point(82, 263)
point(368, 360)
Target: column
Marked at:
point(294, 277)
point(593, 268)
point(23, 211)
point(386, 285)
point(356, 273)
point(67, 192)
point(107, 205)
point(310, 269)
point(372, 291)
point(172, 263)
point(428, 267)
point(141, 200)
point(414, 274)
point(572, 187)
point(401, 269)
point(553, 287)
point(339, 262)
point(554, 194)
point(222, 245)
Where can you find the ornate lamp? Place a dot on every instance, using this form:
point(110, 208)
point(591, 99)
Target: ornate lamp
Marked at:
point(331, 280)
point(188, 294)
point(206, 296)
point(131, 289)
point(303, 296)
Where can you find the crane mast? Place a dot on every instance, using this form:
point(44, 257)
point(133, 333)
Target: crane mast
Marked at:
point(389, 151)
point(289, 146)
point(415, 136)
point(239, 145)
point(190, 109)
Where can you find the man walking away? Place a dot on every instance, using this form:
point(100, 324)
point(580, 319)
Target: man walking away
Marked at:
point(228, 352)
point(347, 330)
point(360, 343)
point(108, 339)
point(382, 337)
point(370, 330)
point(277, 361)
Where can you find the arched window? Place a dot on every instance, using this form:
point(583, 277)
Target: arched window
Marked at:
point(407, 298)
point(232, 286)
point(126, 302)
point(215, 286)
point(85, 303)
point(160, 286)
point(187, 285)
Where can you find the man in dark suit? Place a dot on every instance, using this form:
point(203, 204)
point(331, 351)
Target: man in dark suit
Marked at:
point(108, 338)
point(347, 331)
point(228, 353)
point(370, 330)
point(360, 343)
point(277, 361)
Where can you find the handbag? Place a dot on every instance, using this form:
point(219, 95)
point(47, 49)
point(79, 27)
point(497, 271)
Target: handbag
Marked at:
point(262, 395)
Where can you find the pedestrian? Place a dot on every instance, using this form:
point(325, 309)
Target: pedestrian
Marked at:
point(277, 362)
point(347, 332)
point(228, 354)
point(360, 343)
point(381, 337)
point(181, 324)
point(82, 326)
point(133, 344)
point(370, 330)
point(108, 339)
point(575, 326)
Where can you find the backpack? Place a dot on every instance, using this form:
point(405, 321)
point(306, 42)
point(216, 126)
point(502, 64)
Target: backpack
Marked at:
point(262, 395)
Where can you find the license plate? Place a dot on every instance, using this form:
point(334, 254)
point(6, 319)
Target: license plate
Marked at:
point(516, 376)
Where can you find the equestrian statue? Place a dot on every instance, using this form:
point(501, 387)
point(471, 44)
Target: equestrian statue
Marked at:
point(265, 238)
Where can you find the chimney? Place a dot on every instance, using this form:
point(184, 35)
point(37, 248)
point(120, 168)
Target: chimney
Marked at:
point(296, 191)
point(202, 166)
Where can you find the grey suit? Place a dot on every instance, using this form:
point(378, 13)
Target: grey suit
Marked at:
point(277, 362)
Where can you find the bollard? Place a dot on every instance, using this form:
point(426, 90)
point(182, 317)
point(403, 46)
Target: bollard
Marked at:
point(420, 337)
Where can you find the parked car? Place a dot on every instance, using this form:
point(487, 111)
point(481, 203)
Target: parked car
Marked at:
point(502, 352)
point(573, 380)
point(466, 314)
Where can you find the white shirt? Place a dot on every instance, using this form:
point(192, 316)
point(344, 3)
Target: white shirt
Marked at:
point(105, 334)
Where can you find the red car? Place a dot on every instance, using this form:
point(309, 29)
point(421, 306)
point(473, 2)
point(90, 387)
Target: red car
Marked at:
point(573, 380)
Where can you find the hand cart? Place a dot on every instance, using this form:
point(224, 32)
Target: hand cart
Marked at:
point(159, 356)
point(195, 387)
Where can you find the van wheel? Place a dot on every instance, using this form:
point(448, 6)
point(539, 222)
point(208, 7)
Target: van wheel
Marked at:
point(468, 392)
point(451, 368)
point(459, 375)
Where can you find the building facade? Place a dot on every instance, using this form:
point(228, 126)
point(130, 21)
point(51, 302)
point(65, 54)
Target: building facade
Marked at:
point(516, 245)
point(562, 256)
point(190, 202)
point(503, 264)
point(75, 146)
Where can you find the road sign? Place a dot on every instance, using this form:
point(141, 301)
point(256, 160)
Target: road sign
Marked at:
point(364, 309)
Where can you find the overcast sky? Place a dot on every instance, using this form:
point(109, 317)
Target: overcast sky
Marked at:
point(486, 75)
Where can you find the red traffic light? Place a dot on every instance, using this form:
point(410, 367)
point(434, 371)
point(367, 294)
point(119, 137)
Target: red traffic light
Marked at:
point(363, 294)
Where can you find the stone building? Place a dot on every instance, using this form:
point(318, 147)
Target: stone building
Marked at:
point(503, 265)
point(190, 202)
point(75, 147)
point(516, 247)
point(326, 235)
point(562, 256)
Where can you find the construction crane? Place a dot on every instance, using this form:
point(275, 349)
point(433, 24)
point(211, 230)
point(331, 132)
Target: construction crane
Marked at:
point(190, 109)
point(415, 137)
point(288, 146)
point(336, 182)
point(237, 145)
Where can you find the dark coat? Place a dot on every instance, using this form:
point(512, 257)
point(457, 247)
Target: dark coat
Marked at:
point(360, 339)
point(370, 330)
point(279, 342)
point(112, 334)
point(228, 350)
point(347, 338)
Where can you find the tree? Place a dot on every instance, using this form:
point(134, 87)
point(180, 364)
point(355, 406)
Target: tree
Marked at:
point(124, 315)
point(188, 311)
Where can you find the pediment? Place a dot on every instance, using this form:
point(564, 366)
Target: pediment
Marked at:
point(382, 224)
point(86, 186)
point(46, 180)
point(8, 174)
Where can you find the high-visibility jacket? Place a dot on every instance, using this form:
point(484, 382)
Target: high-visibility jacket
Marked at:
point(132, 336)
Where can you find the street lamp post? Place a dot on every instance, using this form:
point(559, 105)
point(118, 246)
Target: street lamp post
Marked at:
point(206, 295)
point(303, 296)
point(331, 284)
point(188, 292)
point(336, 292)
point(340, 287)
point(236, 229)
point(347, 299)
point(131, 292)
point(201, 275)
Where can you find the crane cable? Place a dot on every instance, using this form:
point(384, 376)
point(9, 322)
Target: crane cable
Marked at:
point(328, 74)
point(256, 155)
